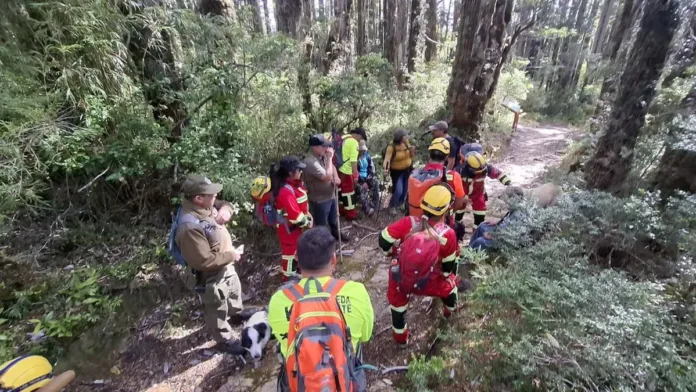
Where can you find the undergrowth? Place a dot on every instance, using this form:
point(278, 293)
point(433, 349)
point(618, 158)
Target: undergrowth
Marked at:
point(547, 313)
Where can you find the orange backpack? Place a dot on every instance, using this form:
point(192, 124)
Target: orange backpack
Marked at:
point(418, 183)
point(320, 353)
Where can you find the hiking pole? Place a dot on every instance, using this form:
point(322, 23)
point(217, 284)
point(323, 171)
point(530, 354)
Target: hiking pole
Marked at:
point(338, 223)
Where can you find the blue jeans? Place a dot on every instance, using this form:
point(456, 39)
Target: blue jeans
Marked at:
point(325, 214)
point(399, 187)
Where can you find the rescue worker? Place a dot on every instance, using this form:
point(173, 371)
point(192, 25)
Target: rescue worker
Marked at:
point(348, 172)
point(473, 172)
point(293, 209)
point(206, 247)
point(316, 255)
point(438, 153)
point(429, 247)
point(440, 129)
point(321, 178)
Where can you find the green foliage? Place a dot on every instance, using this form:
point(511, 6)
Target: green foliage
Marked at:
point(55, 309)
point(425, 373)
point(513, 85)
point(553, 318)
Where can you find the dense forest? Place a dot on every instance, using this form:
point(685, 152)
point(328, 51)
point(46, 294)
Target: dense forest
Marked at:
point(106, 105)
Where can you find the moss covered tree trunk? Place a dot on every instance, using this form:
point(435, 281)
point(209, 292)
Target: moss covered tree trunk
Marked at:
point(288, 14)
point(223, 8)
point(611, 163)
point(395, 36)
point(479, 52)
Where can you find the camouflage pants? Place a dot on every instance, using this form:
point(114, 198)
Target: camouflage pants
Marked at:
point(222, 299)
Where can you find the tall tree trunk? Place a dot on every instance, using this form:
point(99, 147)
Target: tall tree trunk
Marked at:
point(267, 16)
point(322, 9)
point(480, 49)
point(678, 163)
point(602, 27)
point(619, 34)
point(446, 20)
point(571, 47)
point(431, 31)
point(257, 17)
point(288, 14)
point(361, 38)
point(413, 35)
point(224, 8)
point(338, 43)
point(153, 53)
point(609, 167)
point(395, 36)
point(307, 16)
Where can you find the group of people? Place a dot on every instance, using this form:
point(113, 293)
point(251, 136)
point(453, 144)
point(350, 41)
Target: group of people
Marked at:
point(318, 321)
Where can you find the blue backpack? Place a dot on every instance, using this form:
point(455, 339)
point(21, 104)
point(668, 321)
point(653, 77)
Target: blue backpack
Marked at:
point(267, 213)
point(180, 219)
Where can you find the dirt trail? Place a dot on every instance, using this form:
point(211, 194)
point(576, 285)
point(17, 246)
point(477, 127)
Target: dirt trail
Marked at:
point(169, 351)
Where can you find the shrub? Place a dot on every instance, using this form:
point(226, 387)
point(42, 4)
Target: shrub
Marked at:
point(546, 314)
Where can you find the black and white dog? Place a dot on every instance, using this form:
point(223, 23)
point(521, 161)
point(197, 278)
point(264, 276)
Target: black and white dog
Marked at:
point(255, 334)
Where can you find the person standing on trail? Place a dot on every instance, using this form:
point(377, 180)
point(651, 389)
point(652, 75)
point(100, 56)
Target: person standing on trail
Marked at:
point(425, 262)
point(398, 163)
point(368, 186)
point(292, 207)
point(440, 129)
point(320, 309)
point(473, 172)
point(206, 247)
point(321, 178)
point(348, 171)
point(434, 172)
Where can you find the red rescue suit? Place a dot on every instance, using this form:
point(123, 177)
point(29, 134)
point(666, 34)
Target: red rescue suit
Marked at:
point(443, 285)
point(292, 204)
point(475, 188)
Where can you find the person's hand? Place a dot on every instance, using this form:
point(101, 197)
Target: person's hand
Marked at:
point(235, 256)
point(223, 216)
point(386, 172)
point(412, 150)
point(329, 152)
point(336, 181)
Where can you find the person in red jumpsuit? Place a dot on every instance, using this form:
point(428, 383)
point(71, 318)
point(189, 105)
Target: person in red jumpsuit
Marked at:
point(474, 171)
point(292, 206)
point(437, 251)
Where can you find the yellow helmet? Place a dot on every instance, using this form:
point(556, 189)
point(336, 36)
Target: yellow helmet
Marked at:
point(260, 186)
point(29, 373)
point(440, 144)
point(475, 160)
point(437, 200)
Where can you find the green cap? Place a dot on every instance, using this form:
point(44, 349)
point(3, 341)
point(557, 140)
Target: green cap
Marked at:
point(199, 185)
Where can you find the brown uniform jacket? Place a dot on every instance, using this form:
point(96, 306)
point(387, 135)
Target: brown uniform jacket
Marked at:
point(204, 252)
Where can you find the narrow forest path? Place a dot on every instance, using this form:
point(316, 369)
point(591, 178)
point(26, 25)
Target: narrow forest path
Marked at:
point(180, 357)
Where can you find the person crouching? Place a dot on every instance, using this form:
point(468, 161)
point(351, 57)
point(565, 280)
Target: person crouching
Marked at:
point(425, 263)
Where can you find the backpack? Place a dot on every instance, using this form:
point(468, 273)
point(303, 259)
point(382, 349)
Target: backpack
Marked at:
point(418, 183)
point(320, 354)
point(266, 211)
point(456, 144)
point(178, 220)
point(471, 147)
point(418, 255)
point(337, 140)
